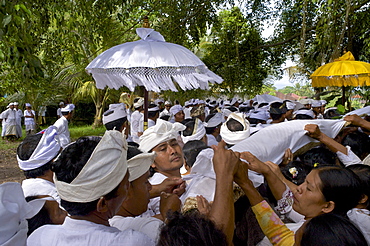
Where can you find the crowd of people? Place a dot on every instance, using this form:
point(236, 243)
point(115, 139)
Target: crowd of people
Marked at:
point(209, 172)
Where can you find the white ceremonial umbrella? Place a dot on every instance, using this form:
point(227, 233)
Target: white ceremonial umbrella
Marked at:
point(150, 62)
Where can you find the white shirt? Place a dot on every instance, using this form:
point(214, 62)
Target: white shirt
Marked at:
point(151, 123)
point(164, 112)
point(150, 226)
point(62, 128)
point(40, 187)
point(361, 218)
point(29, 121)
point(211, 140)
point(59, 112)
point(83, 232)
point(135, 125)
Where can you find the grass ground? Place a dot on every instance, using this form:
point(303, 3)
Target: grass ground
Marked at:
point(9, 170)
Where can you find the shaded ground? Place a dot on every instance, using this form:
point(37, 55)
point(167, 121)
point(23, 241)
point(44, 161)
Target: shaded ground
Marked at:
point(9, 170)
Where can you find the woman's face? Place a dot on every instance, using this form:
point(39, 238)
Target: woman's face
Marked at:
point(308, 199)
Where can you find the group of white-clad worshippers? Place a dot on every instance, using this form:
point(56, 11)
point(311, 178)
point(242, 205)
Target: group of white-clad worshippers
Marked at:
point(213, 172)
point(12, 121)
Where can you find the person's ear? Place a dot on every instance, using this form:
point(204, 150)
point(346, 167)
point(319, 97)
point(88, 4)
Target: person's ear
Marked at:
point(102, 205)
point(328, 207)
point(364, 199)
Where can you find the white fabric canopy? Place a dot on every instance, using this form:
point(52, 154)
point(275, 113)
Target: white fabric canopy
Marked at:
point(150, 62)
point(270, 143)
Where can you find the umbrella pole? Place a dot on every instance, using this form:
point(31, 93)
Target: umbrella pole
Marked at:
point(343, 96)
point(146, 106)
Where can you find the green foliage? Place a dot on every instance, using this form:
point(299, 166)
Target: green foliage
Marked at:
point(231, 36)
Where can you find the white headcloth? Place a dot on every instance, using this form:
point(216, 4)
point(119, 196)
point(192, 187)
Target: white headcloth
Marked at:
point(308, 112)
point(214, 121)
point(68, 108)
point(198, 132)
point(260, 114)
point(139, 165)
point(161, 132)
point(231, 137)
point(46, 150)
point(116, 111)
point(139, 103)
point(105, 169)
point(316, 103)
point(175, 109)
point(153, 109)
point(14, 212)
point(290, 105)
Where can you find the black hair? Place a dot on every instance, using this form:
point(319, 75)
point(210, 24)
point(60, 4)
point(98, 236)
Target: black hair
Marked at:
point(331, 229)
point(359, 143)
point(165, 117)
point(303, 116)
point(132, 151)
point(24, 152)
point(340, 185)
point(234, 125)
point(254, 121)
point(190, 229)
point(296, 172)
point(116, 124)
point(189, 123)
point(191, 150)
point(262, 104)
point(319, 157)
point(69, 164)
point(152, 114)
point(39, 219)
point(363, 172)
point(232, 109)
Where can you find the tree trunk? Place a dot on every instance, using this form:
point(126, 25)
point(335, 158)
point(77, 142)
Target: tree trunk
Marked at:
point(98, 115)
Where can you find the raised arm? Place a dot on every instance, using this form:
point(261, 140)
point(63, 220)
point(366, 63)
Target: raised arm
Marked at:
point(357, 121)
point(222, 211)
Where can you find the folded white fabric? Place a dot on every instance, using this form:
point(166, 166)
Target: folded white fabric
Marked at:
point(270, 143)
point(46, 150)
point(161, 132)
point(198, 132)
point(175, 109)
point(14, 212)
point(105, 169)
point(360, 112)
point(216, 120)
point(234, 137)
point(116, 111)
point(68, 108)
point(139, 103)
point(308, 112)
point(139, 165)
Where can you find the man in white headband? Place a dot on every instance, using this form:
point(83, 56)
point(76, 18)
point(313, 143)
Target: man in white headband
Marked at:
point(177, 113)
point(29, 119)
point(136, 127)
point(153, 114)
point(59, 110)
point(62, 125)
point(9, 116)
point(316, 108)
point(35, 155)
point(19, 115)
point(166, 110)
point(306, 102)
point(213, 127)
point(138, 197)
point(92, 180)
point(290, 108)
point(115, 118)
point(161, 138)
point(304, 114)
point(235, 129)
point(194, 130)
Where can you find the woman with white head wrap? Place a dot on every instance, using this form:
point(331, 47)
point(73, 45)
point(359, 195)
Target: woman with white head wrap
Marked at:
point(233, 135)
point(137, 122)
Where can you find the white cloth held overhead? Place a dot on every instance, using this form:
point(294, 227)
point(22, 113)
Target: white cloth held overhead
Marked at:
point(105, 169)
point(46, 150)
point(161, 132)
